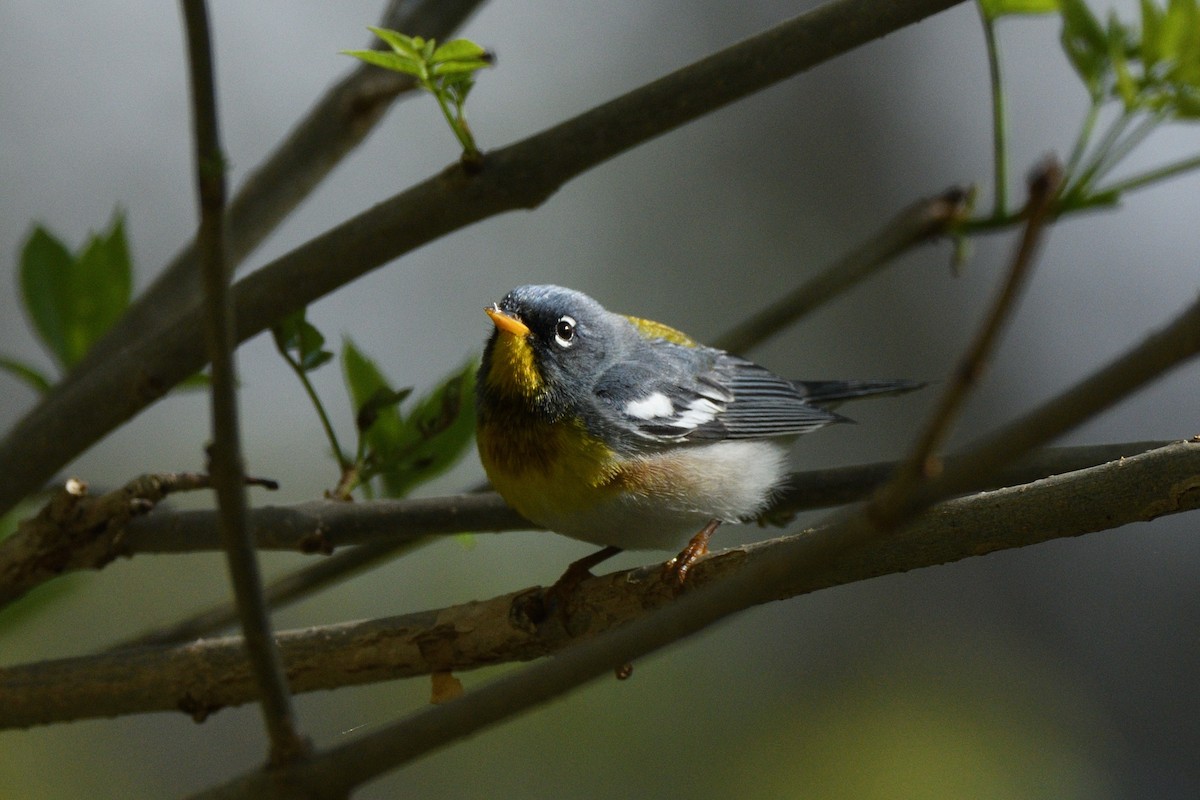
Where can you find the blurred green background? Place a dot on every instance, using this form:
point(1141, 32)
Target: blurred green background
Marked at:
point(1065, 670)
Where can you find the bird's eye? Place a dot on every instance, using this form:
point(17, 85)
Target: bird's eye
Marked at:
point(564, 331)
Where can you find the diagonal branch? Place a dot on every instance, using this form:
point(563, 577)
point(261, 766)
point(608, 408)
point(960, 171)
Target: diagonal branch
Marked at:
point(336, 124)
point(920, 222)
point(201, 677)
point(924, 461)
point(522, 175)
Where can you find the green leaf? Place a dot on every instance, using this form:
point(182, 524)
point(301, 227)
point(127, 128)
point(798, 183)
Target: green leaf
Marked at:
point(31, 376)
point(1086, 44)
point(368, 412)
point(1120, 45)
point(105, 281)
point(392, 61)
point(1152, 34)
point(460, 50)
point(1180, 41)
point(296, 335)
point(200, 380)
point(365, 382)
point(435, 435)
point(994, 9)
point(73, 300)
point(400, 44)
point(459, 86)
point(45, 266)
point(448, 68)
point(1187, 105)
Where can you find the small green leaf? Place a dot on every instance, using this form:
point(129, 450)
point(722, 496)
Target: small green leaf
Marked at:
point(1085, 44)
point(368, 412)
point(448, 68)
point(73, 300)
point(994, 9)
point(31, 376)
point(364, 382)
point(1152, 34)
point(435, 435)
point(45, 266)
point(1187, 105)
point(104, 281)
point(460, 50)
point(400, 44)
point(1120, 47)
point(295, 334)
point(392, 61)
point(200, 380)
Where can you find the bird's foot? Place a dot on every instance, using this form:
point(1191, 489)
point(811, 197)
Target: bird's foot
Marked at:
point(676, 570)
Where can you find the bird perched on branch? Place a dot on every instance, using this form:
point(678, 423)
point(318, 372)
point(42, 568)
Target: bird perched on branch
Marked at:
point(629, 434)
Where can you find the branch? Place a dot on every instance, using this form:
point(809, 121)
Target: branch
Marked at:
point(116, 525)
point(280, 592)
point(336, 124)
point(334, 772)
point(225, 455)
point(201, 677)
point(920, 222)
point(888, 505)
point(522, 175)
point(75, 530)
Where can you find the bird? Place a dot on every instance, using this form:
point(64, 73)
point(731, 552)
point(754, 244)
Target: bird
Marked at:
point(629, 434)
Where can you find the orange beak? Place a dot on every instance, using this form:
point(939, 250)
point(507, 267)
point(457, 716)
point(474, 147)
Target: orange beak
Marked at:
point(506, 322)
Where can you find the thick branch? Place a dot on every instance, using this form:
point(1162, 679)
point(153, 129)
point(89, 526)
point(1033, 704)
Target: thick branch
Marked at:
point(522, 175)
point(205, 676)
point(75, 530)
point(324, 525)
point(89, 532)
point(387, 540)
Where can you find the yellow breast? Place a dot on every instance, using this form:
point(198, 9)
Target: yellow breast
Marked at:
point(545, 470)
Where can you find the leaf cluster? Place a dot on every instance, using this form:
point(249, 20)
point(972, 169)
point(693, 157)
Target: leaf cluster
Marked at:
point(395, 452)
point(1152, 74)
point(1155, 70)
point(446, 71)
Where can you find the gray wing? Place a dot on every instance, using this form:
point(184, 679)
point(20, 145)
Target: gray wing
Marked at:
point(701, 394)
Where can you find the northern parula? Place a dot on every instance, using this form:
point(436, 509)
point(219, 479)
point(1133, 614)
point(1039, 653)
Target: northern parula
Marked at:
point(627, 433)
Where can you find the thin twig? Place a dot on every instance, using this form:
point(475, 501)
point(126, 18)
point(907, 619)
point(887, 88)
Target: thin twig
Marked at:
point(999, 133)
point(201, 677)
point(923, 462)
point(225, 457)
point(522, 175)
point(918, 223)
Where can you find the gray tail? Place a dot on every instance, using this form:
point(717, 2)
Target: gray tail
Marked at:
point(827, 393)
